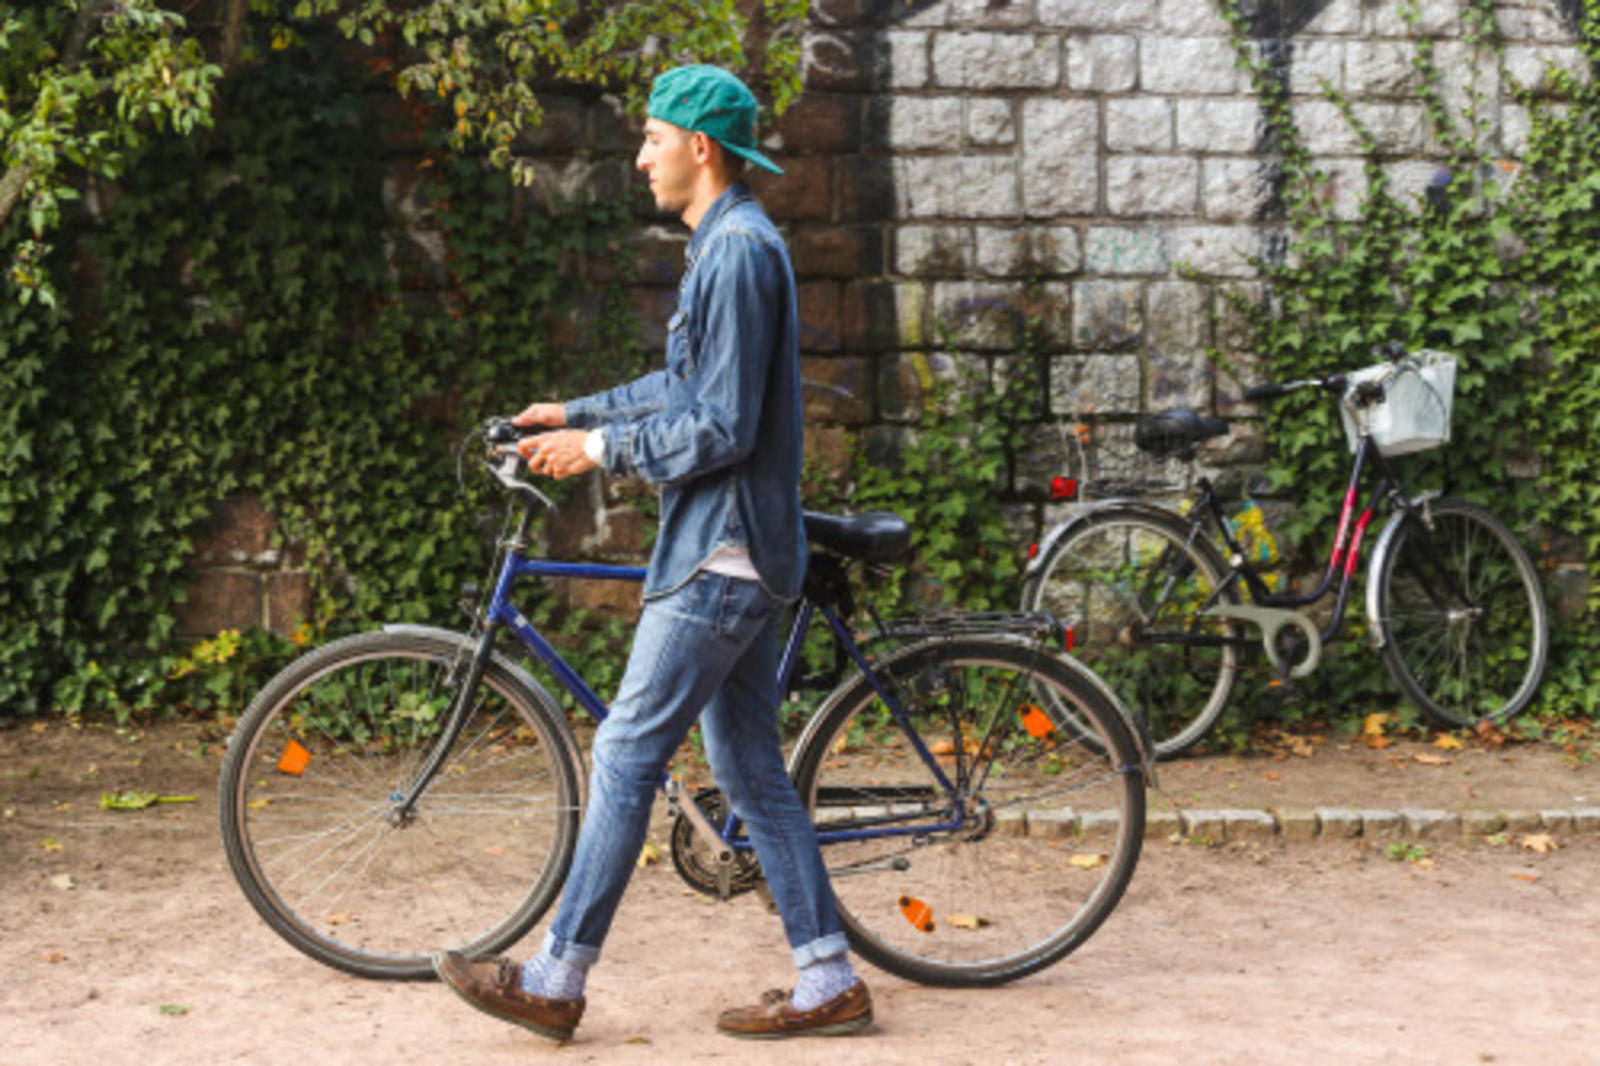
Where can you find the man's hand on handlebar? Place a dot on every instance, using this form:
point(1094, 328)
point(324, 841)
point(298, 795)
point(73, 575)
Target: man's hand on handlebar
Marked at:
point(553, 415)
point(557, 454)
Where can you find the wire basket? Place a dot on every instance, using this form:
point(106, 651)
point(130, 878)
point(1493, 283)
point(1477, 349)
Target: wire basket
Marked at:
point(1414, 413)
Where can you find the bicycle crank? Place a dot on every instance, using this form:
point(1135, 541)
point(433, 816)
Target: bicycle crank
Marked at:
point(1273, 621)
point(702, 858)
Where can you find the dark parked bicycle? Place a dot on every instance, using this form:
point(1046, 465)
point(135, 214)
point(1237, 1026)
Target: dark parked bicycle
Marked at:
point(1453, 601)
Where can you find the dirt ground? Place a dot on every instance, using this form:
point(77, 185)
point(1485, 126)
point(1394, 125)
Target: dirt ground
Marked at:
point(126, 939)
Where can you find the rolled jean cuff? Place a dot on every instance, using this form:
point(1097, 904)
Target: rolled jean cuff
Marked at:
point(567, 951)
point(824, 947)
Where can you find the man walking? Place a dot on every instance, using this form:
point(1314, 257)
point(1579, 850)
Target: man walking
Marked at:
point(719, 430)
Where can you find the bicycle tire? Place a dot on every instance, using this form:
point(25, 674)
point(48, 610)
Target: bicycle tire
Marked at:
point(1105, 578)
point(1460, 664)
point(307, 804)
point(1056, 825)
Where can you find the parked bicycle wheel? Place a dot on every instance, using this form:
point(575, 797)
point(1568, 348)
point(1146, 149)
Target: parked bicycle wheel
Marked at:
point(1462, 615)
point(1027, 856)
point(309, 806)
point(1127, 583)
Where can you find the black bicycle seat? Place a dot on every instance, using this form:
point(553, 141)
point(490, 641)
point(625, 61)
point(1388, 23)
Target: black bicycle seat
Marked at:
point(1176, 432)
point(874, 537)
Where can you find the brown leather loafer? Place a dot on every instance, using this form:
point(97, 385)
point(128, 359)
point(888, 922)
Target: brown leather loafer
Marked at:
point(494, 987)
point(775, 1017)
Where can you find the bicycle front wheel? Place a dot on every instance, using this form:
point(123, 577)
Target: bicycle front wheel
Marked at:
point(1128, 584)
point(972, 835)
point(312, 823)
point(1458, 603)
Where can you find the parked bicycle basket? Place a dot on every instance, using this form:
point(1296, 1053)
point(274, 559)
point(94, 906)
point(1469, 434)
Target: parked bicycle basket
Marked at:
point(1414, 413)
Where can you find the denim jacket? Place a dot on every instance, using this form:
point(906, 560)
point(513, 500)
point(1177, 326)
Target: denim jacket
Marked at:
point(719, 429)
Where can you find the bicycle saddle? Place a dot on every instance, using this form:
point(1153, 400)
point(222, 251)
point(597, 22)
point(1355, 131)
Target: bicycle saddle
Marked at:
point(1176, 432)
point(875, 537)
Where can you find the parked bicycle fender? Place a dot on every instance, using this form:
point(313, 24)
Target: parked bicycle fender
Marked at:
point(520, 676)
point(1061, 529)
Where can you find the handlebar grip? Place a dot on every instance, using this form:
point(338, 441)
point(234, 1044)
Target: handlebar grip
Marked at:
point(504, 431)
point(1265, 392)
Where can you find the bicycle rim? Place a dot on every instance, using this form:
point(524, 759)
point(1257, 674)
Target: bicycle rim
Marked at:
point(309, 808)
point(1127, 586)
point(1033, 853)
point(1463, 617)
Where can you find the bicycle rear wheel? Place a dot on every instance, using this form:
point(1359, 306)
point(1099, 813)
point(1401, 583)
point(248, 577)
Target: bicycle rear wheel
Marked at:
point(1127, 583)
point(1027, 852)
point(1465, 629)
point(309, 806)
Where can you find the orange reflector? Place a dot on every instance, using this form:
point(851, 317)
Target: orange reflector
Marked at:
point(917, 913)
point(295, 758)
point(1035, 721)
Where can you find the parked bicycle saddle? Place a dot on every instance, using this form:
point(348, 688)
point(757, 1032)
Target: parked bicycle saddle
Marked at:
point(874, 537)
point(1176, 432)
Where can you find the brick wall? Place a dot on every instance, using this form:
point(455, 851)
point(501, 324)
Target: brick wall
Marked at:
point(1097, 167)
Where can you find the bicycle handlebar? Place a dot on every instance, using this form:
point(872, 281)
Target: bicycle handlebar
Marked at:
point(1393, 351)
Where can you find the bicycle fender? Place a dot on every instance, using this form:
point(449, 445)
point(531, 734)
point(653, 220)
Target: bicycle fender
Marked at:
point(1380, 554)
point(1061, 529)
point(519, 676)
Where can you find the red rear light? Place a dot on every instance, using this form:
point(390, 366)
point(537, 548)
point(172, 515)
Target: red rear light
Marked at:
point(1063, 488)
point(1071, 638)
point(1033, 550)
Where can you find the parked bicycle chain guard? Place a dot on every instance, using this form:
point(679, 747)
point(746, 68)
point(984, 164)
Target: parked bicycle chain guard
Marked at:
point(1272, 621)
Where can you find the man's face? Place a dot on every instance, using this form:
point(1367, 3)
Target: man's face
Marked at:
point(668, 158)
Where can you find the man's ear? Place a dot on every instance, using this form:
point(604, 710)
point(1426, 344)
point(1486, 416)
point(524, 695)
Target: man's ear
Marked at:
point(701, 146)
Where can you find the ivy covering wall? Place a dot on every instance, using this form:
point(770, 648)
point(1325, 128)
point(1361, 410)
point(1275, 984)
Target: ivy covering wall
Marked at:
point(245, 317)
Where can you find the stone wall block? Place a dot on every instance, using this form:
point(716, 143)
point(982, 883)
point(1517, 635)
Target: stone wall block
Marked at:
point(288, 599)
point(1317, 64)
point(990, 121)
point(820, 123)
point(844, 60)
point(221, 599)
point(240, 533)
point(1139, 124)
point(1106, 315)
point(837, 251)
point(1218, 251)
point(821, 311)
point(915, 123)
point(837, 390)
point(933, 251)
point(1197, 65)
point(804, 191)
point(984, 316)
point(996, 60)
point(883, 316)
point(1237, 190)
point(1081, 385)
point(1102, 63)
point(1380, 68)
point(1152, 186)
point(1434, 18)
point(871, 189)
point(959, 186)
point(1176, 316)
point(1125, 250)
point(1032, 251)
point(1179, 379)
point(1219, 124)
point(1059, 176)
point(1098, 14)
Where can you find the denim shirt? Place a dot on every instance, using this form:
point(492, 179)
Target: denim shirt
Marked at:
point(719, 429)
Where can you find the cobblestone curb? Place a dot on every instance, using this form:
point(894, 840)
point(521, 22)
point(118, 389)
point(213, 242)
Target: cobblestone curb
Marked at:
point(1345, 823)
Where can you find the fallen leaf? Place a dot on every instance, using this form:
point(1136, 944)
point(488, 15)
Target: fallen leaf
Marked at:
point(1530, 878)
point(131, 800)
point(39, 727)
point(1302, 747)
point(1447, 742)
point(63, 882)
point(52, 956)
point(637, 1040)
point(1272, 775)
point(649, 855)
point(942, 747)
point(339, 918)
point(256, 805)
point(1540, 842)
point(177, 1010)
point(1427, 758)
point(64, 805)
point(51, 844)
point(495, 852)
point(966, 921)
point(1087, 860)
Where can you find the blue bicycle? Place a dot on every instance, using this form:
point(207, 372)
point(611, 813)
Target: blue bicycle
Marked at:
point(979, 797)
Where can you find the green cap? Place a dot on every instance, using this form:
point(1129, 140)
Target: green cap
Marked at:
point(709, 100)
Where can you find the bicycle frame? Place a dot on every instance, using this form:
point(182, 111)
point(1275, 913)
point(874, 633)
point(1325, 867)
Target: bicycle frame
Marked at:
point(501, 612)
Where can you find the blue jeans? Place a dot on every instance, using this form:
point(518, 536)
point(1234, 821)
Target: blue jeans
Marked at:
point(709, 649)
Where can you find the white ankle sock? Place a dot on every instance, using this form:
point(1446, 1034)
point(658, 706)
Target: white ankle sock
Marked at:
point(822, 980)
point(546, 976)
